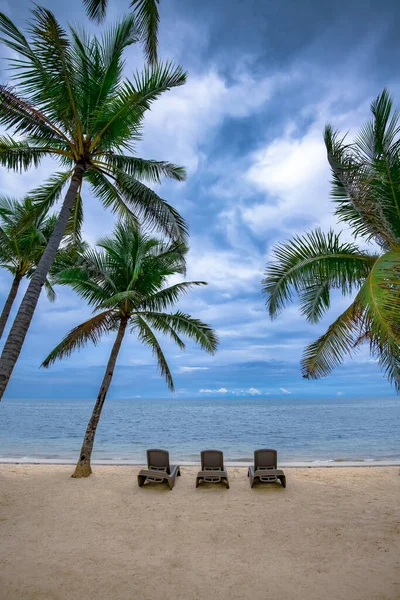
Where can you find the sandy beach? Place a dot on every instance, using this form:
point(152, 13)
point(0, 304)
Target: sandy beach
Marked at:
point(332, 534)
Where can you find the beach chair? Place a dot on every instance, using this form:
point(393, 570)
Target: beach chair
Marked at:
point(159, 469)
point(212, 468)
point(265, 468)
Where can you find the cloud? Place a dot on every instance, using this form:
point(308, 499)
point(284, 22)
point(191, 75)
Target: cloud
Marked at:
point(183, 118)
point(220, 391)
point(253, 391)
point(284, 391)
point(219, 266)
point(190, 369)
point(293, 174)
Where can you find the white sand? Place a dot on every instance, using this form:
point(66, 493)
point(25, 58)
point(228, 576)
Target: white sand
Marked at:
point(333, 534)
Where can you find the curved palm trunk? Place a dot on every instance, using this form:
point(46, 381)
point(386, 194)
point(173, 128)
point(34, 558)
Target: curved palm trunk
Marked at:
point(9, 302)
point(16, 337)
point(83, 468)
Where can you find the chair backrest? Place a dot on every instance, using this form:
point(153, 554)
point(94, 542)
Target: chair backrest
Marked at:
point(212, 459)
point(266, 458)
point(158, 460)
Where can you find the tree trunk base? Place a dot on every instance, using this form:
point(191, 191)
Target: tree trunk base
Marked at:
point(82, 470)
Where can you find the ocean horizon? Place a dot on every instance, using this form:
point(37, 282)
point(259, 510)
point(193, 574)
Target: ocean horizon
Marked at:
point(302, 430)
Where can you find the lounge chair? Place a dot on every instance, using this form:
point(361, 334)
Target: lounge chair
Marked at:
point(159, 469)
point(212, 468)
point(265, 468)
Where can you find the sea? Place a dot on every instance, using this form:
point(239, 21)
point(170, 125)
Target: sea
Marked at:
point(311, 431)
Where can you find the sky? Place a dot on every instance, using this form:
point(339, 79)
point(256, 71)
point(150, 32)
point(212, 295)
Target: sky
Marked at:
point(263, 79)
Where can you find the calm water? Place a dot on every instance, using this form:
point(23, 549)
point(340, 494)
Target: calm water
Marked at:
point(302, 430)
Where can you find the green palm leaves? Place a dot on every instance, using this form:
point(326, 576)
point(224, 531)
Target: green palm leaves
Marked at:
point(23, 239)
point(146, 19)
point(366, 191)
point(125, 281)
point(71, 102)
point(127, 278)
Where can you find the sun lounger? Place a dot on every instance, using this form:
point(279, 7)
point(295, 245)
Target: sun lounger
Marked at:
point(212, 468)
point(265, 468)
point(159, 469)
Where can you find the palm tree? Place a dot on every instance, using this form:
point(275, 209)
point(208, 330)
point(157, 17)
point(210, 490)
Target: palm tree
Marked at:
point(71, 103)
point(126, 284)
point(22, 244)
point(366, 191)
point(147, 20)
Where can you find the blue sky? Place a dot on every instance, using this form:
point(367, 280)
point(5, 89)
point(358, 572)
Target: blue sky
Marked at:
point(264, 78)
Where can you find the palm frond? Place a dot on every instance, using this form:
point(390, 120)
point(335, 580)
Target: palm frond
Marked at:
point(86, 279)
point(109, 194)
point(73, 232)
point(119, 120)
point(20, 155)
point(184, 324)
point(25, 119)
point(91, 330)
point(51, 295)
point(147, 337)
point(365, 176)
point(315, 300)
point(311, 265)
point(150, 209)
point(52, 48)
point(99, 67)
point(163, 299)
point(46, 195)
point(147, 18)
point(148, 170)
point(329, 350)
point(96, 9)
point(374, 316)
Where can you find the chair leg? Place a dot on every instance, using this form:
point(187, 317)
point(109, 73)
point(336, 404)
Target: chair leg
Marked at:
point(197, 481)
point(141, 479)
point(227, 483)
point(283, 480)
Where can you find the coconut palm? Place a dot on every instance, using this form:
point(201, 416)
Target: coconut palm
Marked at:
point(147, 20)
point(71, 103)
point(366, 190)
point(126, 283)
point(22, 243)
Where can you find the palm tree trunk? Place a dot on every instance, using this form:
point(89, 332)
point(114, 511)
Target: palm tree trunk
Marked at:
point(16, 337)
point(83, 468)
point(9, 302)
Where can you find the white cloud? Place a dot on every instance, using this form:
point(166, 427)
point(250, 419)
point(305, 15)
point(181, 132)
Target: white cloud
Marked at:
point(253, 391)
point(220, 268)
point(220, 391)
point(183, 118)
point(190, 369)
point(284, 391)
point(293, 173)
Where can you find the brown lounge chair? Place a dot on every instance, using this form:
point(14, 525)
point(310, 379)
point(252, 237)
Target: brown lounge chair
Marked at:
point(159, 469)
point(212, 468)
point(264, 468)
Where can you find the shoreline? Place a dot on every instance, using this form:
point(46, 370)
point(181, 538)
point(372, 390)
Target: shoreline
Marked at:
point(314, 464)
